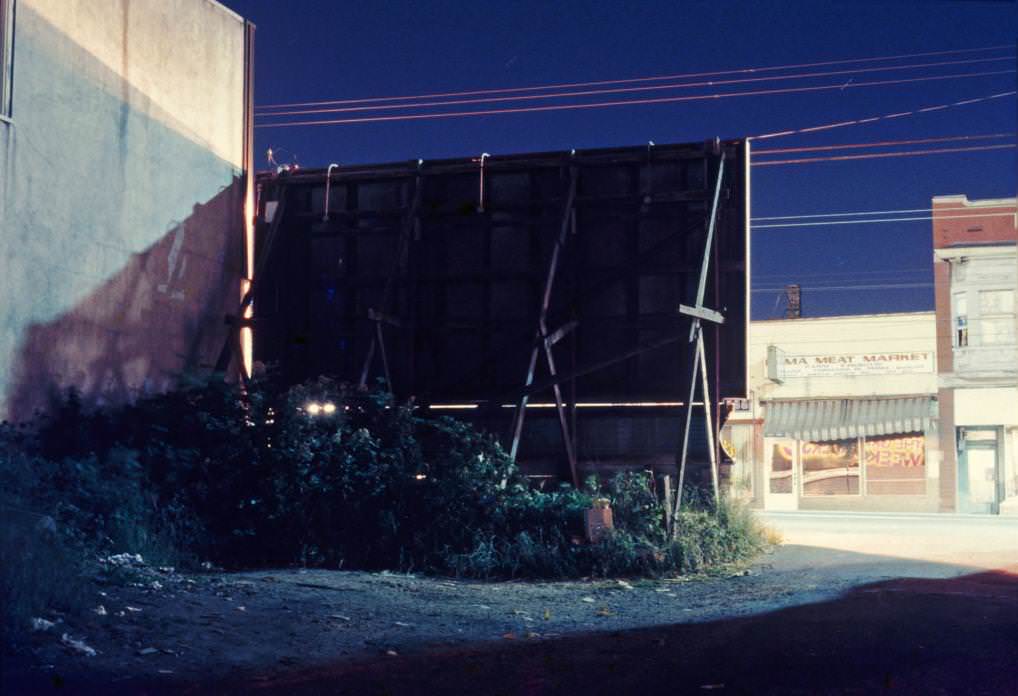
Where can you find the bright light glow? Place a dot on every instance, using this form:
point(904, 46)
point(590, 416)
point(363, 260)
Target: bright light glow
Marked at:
point(608, 404)
point(328, 408)
point(443, 407)
point(246, 335)
point(313, 409)
point(420, 477)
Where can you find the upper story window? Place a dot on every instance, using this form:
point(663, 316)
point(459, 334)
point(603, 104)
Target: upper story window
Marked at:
point(961, 319)
point(996, 320)
point(6, 55)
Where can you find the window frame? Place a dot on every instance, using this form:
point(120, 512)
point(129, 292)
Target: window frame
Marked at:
point(7, 11)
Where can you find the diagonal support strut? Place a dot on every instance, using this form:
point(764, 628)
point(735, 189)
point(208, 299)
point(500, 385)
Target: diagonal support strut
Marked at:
point(543, 341)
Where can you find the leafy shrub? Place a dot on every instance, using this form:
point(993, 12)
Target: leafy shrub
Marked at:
point(249, 477)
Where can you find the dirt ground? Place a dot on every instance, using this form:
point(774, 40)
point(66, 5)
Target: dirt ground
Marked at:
point(165, 632)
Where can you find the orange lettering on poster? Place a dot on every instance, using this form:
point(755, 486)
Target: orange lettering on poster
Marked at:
point(900, 451)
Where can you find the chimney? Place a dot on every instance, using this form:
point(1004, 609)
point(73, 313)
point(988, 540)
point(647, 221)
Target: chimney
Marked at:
point(793, 302)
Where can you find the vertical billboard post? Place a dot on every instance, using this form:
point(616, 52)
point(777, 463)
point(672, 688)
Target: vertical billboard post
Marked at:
point(699, 312)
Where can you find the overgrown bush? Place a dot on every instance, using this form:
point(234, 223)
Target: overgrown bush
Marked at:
point(255, 477)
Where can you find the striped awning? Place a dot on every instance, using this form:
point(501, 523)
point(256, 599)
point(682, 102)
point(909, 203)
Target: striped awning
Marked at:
point(836, 419)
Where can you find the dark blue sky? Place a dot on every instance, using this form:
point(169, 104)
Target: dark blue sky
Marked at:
point(311, 50)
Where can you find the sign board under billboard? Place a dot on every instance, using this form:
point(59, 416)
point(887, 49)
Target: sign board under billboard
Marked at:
point(788, 366)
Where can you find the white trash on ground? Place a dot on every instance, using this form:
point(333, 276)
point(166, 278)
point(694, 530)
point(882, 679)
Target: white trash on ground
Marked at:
point(78, 645)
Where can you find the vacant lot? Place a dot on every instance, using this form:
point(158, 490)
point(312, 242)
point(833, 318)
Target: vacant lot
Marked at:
point(163, 629)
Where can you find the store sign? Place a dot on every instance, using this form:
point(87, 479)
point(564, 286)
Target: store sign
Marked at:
point(788, 366)
point(899, 451)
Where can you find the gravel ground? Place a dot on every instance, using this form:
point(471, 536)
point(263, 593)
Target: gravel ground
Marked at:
point(162, 626)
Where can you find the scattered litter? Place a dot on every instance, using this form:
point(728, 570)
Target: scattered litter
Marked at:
point(509, 636)
point(166, 569)
point(588, 600)
point(392, 653)
point(42, 624)
point(102, 594)
point(166, 671)
point(121, 613)
point(148, 651)
point(134, 609)
point(403, 624)
point(78, 645)
point(206, 565)
point(241, 607)
point(101, 610)
point(483, 606)
point(661, 589)
point(604, 611)
point(624, 584)
point(340, 617)
point(120, 560)
point(156, 585)
point(547, 614)
point(533, 634)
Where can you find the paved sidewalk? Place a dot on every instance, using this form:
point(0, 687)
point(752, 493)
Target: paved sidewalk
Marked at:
point(960, 541)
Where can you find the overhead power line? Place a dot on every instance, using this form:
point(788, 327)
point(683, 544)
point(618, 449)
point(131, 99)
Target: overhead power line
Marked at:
point(776, 277)
point(868, 221)
point(885, 117)
point(865, 212)
point(596, 83)
point(861, 286)
point(620, 90)
point(880, 155)
point(882, 143)
point(632, 102)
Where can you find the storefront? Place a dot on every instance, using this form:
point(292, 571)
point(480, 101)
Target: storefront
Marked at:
point(843, 415)
point(850, 454)
point(986, 437)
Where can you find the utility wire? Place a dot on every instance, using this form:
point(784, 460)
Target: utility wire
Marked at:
point(622, 90)
point(882, 143)
point(819, 223)
point(866, 212)
point(596, 83)
point(880, 155)
point(631, 102)
point(873, 286)
point(835, 276)
point(873, 119)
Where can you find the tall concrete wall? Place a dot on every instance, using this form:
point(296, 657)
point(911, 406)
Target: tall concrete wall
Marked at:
point(121, 190)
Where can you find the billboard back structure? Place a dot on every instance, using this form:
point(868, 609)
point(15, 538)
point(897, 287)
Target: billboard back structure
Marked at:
point(485, 283)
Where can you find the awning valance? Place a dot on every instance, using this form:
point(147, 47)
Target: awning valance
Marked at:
point(836, 419)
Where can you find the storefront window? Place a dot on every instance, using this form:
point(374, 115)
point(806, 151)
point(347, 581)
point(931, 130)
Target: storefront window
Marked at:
point(896, 465)
point(781, 469)
point(830, 468)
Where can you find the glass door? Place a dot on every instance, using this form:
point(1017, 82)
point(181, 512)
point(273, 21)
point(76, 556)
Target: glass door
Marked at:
point(781, 491)
point(978, 472)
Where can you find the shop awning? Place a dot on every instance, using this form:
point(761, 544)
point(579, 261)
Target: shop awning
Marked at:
point(837, 419)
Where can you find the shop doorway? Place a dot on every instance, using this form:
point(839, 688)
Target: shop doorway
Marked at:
point(781, 487)
point(979, 479)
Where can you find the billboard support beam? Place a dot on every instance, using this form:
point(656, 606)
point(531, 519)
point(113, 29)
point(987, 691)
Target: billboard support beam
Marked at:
point(380, 316)
point(699, 313)
point(542, 340)
point(232, 342)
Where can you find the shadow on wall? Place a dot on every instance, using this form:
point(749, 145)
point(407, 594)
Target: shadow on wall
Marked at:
point(158, 317)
